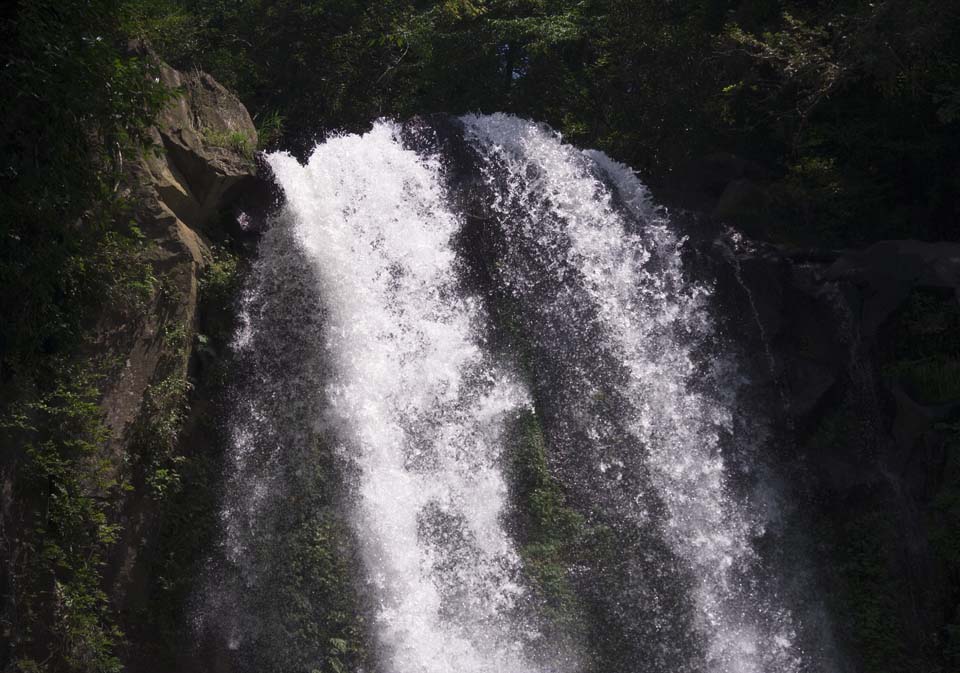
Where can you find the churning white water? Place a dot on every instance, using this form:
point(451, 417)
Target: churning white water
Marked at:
point(587, 217)
point(414, 401)
point(362, 329)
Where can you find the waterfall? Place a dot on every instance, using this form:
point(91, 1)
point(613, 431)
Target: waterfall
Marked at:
point(374, 328)
point(587, 224)
point(413, 400)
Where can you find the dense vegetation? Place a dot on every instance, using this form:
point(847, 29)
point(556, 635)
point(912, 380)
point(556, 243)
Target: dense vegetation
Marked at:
point(851, 108)
point(850, 111)
point(74, 107)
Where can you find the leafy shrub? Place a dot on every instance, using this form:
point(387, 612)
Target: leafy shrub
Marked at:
point(72, 488)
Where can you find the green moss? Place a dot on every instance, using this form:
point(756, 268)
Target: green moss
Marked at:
point(944, 525)
point(186, 500)
point(552, 533)
point(220, 279)
point(319, 615)
point(179, 443)
point(871, 597)
point(165, 408)
point(931, 380)
point(305, 602)
point(870, 590)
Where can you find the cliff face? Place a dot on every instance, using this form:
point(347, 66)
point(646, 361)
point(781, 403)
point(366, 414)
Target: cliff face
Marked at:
point(185, 197)
point(856, 361)
point(205, 140)
point(181, 196)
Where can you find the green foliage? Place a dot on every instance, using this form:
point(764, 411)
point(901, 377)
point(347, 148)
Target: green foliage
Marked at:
point(870, 604)
point(269, 129)
point(310, 616)
point(869, 588)
point(931, 380)
point(219, 285)
point(188, 505)
point(319, 611)
point(166, 25)
point(78, 106)
point(180, 443)
point(220, 279)
point(72, 488)
point(120, 266)
point(161, 419)
point(851, 105)
point(863, 592)
point(926, 354)
point(945, 539)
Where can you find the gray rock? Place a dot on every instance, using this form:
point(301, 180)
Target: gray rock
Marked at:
point(713, 172)
point(867, 449)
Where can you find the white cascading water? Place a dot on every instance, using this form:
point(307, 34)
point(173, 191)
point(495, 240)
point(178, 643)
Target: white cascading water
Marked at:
point(391, 366)
point(414, 402)
point(558, 201)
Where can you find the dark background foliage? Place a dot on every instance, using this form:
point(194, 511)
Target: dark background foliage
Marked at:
point(853, 108)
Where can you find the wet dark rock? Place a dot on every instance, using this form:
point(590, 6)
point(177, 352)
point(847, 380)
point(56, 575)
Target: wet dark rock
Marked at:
point(701, 184)
point(874, 453)
point(711, 174)
point(746, 202)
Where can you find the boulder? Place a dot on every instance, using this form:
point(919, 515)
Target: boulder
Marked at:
point(720, 184)
point(177, 189)
point(873, 457)
point(208, 139)
point(712, 173)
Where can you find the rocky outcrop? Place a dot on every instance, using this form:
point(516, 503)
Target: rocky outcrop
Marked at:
point(181, 191)
point(727, 186)
point(190, 176)
point(886, 273)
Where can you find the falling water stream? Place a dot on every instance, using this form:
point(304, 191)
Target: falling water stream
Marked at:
point(561, 205)
point(395, 367)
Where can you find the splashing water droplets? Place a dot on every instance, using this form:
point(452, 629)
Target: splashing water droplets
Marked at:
point(417, 405)
point(395, 364)
point(651, 320)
